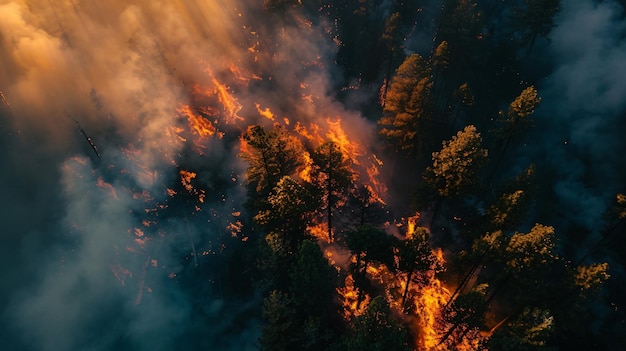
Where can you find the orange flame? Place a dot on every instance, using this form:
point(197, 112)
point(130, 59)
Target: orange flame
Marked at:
point(349, 296)
point(185, 179)
point(264, 112)
point(230, 104)
point(198, 124)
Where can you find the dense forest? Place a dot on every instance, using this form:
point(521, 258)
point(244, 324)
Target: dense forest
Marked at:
point(334, 175)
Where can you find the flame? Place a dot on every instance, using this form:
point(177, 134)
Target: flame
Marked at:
point(412, 226)
point(185, 179)
point(311, 134)
point(429, 303)
point(198, 124)
point(376, 188)
point(349, 296)
point(230, 104)
point(241, 75)
point(265, 112)
point(319, 231)
point(349, 149)
point(307, 164)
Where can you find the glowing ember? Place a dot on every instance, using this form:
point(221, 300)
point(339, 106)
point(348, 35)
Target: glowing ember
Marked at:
point(349, 296)
point(104, 185)
point(185, 179)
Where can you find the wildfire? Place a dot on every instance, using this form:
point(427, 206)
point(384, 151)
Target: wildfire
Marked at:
point(198, 124)
point(230, 104)
point(349, 296)
point(319, 231)
point(264, 112)
point(185, 179)
point(429, 304)
point(349, 148)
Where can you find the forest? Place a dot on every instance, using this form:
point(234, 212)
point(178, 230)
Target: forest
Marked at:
point(313, 175)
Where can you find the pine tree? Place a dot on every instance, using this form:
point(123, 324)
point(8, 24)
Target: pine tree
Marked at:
point(332, 177)
point(407, 112)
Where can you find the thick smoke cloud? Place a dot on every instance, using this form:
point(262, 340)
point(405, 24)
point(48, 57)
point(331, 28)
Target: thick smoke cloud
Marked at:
point(581, 118)
point(87, 265)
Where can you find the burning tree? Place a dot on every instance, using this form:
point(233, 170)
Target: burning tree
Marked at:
point(271, 155)
point(416, 258)
point(332, 178)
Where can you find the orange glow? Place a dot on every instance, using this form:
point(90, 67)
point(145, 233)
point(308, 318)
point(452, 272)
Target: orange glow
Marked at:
point(145, 175)
point(120, 273)
point(104, 185)
point(198, 124)
point(311, 134)
point(185, 179)
point(349, 297)
point(307, 164)
point(412, 226)
point(240, 75)
point(230, 104)
point(319, 231)
point(431, 299)
point(264, 112)
point(376, 188)
point(348, 148)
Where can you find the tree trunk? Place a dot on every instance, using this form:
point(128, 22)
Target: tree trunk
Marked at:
point(406, 288)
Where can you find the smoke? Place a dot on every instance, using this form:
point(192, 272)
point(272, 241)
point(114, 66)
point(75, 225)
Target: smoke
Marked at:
point(581, 117)
point(113, 252)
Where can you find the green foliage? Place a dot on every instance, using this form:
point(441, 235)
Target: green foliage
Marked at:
point(511, 208)
point(406, 114)
point(391, 26)
point(332, 178)
point(529, 332)
point(271, 155)
point(375, 330)
point(279, 331)
point(291, 208)
point(415, 253)
point(460, 27)
point(441, 55)
point(535, 19)
point(465, 313)
point(463, 94)
point(455, 168)
point(363, 208)
point(312, 280)
point(518, 118)
point(531, 252)
point(371, 244)
point(591, 277)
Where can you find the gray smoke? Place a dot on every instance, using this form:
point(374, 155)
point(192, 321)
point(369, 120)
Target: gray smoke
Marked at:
point(96, 253)
point(581, 118)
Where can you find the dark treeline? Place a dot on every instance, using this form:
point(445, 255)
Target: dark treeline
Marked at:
point(453, 112)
